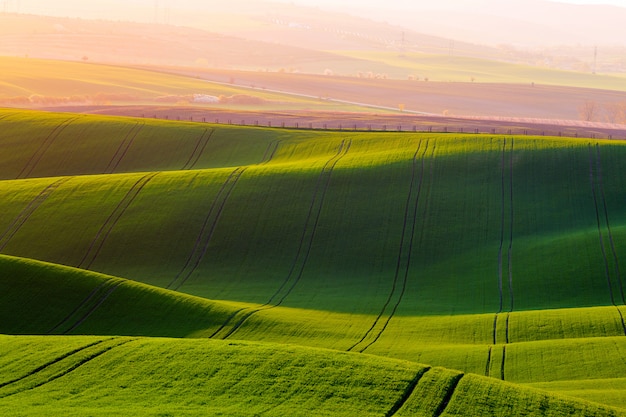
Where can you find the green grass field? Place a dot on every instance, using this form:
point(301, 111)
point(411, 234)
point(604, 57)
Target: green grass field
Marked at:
point(335, 272)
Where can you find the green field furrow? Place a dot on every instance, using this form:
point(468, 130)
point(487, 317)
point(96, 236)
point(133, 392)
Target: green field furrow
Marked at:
point(612, 257)
point(34, 160)
point(24, 215)
point(104, 231)
point(169, 225)
point(403, 262)
point(203, 140)
point(87, 306)
point(48, 364)
point(59, 367)
point(14, 365)
point(95, 145)
point(208, 227)
point(603, 391)
point(55, 299)
point(304, 247)
point(121, 151)
point(502, 399)
point(64, 213)
point(439, 385)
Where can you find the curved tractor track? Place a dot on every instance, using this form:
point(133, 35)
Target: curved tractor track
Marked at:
point(86, 307)
point(602, 219)
point(403, 261)
point(121, 151)
point(201, 145)
point(100, 238)
point(61, 366)
point(43, 148)
point(212, 218)
point(206, 232)
point(28, 211)
point(236, 320)
point(505, 180)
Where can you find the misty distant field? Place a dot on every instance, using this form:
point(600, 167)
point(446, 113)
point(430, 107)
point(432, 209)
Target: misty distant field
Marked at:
point(39, 83)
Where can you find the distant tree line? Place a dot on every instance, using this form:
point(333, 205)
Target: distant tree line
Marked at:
point(614, 112)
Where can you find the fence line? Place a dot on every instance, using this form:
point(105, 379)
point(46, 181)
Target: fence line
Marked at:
point(369, 127)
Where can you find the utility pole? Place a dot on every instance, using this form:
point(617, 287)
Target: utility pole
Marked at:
point(156, 11)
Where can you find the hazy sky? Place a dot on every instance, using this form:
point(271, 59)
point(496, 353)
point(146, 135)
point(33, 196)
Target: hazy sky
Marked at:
point(520, 21)
point(108, 8)
point(463, 4)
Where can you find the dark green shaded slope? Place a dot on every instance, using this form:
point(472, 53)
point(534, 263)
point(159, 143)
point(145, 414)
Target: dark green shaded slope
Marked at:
point(42, 298)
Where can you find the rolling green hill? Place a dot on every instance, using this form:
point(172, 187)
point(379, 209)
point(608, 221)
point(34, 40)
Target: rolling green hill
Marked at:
point(103, 376)
point(495, 256)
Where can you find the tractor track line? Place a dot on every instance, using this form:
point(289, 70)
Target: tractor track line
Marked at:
point(227, 187)
point(488, 365)
point(52, 362)
point(449, 393)
point(411, 238)
point(502, 227)
point(84, 302)
point(199, 149)
point(321, 187)
point(407, 393)
point(123, 148)
point(98, 242)
point(25, 214)
point(608, 225)
point(270, 152)
point(100, 301)
point(402, 238)
point(202, 241)
point(509, 248)
point(501, 248)
point(45, 145)
point(599, 227)
point(72, 368)
point(431, 171)
point(315, 210)
point(506, 333)
point(601, 238)
point(503, 362)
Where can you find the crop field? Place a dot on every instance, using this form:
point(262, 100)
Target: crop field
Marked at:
point(463, 69)
point(183, 268)
point(29, 82)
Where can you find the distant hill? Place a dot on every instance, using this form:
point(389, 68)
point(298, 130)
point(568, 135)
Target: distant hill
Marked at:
point(520, 31)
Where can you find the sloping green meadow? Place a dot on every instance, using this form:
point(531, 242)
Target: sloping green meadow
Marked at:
point(496, 256)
